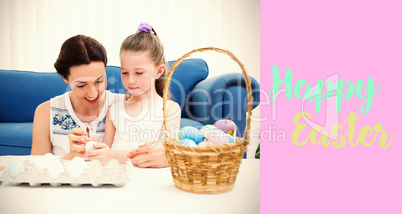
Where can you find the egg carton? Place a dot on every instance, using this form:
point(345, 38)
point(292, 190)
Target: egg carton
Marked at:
point(93, 173)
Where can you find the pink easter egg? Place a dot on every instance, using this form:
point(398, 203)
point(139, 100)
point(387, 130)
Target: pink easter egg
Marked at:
point(226, 126)
point(218, 137)
point(204, 143)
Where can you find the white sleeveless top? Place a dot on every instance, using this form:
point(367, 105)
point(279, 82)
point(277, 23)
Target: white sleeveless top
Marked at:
point(133, 131)
point(63, 119)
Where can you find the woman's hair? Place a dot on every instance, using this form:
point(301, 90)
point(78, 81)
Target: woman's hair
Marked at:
point(148, 41)
point(79, 50)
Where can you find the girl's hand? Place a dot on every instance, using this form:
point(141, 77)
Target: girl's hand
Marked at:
point(102, 153)
point(151, 154)
point(77, 140)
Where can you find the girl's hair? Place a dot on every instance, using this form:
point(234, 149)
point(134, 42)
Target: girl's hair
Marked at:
point(148, 41)
point(79, 50)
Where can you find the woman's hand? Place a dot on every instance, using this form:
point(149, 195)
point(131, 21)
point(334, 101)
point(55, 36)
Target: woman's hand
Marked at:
point(77, 140)
point(151, 154)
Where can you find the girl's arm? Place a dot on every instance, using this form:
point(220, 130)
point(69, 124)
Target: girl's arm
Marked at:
point(109, 130)
point(103, 153)
point(41, 130)
point(173, 116)
point(152, 154)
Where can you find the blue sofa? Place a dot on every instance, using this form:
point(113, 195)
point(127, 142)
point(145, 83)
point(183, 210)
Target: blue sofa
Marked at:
point(203, 101)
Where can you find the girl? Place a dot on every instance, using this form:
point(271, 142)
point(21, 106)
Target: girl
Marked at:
point(134, 126)
point(62, 124)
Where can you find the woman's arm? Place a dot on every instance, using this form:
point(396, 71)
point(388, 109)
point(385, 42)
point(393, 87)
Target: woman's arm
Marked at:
point(41, 143)
point(41, 130)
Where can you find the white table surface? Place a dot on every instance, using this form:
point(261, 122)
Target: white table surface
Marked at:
point(148, 191)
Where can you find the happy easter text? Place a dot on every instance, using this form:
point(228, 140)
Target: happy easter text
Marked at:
point(342, 90)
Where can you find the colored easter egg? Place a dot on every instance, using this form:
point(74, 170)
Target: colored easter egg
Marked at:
point(218, 137)
point(204, 143)
point(14, 168)
point(226, 126)
point(192, 133)
point(187, 142)
point(205, 130)
point(230, 137)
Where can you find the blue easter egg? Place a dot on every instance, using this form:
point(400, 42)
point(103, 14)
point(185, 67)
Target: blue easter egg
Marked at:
point(187, 142)
point(192, 133)
point(14, 168)
point(231, 139)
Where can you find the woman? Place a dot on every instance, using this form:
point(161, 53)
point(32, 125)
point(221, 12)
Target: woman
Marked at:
point(65, 123)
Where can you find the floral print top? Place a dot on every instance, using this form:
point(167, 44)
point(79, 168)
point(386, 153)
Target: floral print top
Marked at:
point(63, 120)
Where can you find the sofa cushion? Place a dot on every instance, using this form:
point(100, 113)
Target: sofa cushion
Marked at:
point(190, 122)
point(14, 150)
point(23, 91)
point(16, 134)
point(223, 97)
point(114, 83)
point(185, 77)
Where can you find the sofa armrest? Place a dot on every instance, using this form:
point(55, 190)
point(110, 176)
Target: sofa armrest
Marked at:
point(222, 97)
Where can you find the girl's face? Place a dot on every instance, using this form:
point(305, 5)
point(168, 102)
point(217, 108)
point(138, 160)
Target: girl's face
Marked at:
point(88, 83)
point(138, 72)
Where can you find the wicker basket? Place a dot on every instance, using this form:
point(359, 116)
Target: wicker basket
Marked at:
point(211, 169)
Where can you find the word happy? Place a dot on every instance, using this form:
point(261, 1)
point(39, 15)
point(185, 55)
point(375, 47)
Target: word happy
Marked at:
point(332, 90)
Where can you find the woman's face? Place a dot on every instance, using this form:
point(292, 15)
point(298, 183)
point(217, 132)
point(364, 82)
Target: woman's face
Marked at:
point(138, 72)
point(88, 83)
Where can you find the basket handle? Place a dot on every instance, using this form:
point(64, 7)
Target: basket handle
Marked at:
point(248, 84)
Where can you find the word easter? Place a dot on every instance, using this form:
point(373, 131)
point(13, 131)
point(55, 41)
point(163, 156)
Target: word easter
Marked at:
point(340, 140)
point(319, 94)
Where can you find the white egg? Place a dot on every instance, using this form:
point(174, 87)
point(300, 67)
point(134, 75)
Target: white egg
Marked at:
point(90, 145)
point(50, 156)
point(76, 167)
point(41, 163)
point(14, 168)
point(55, 168)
